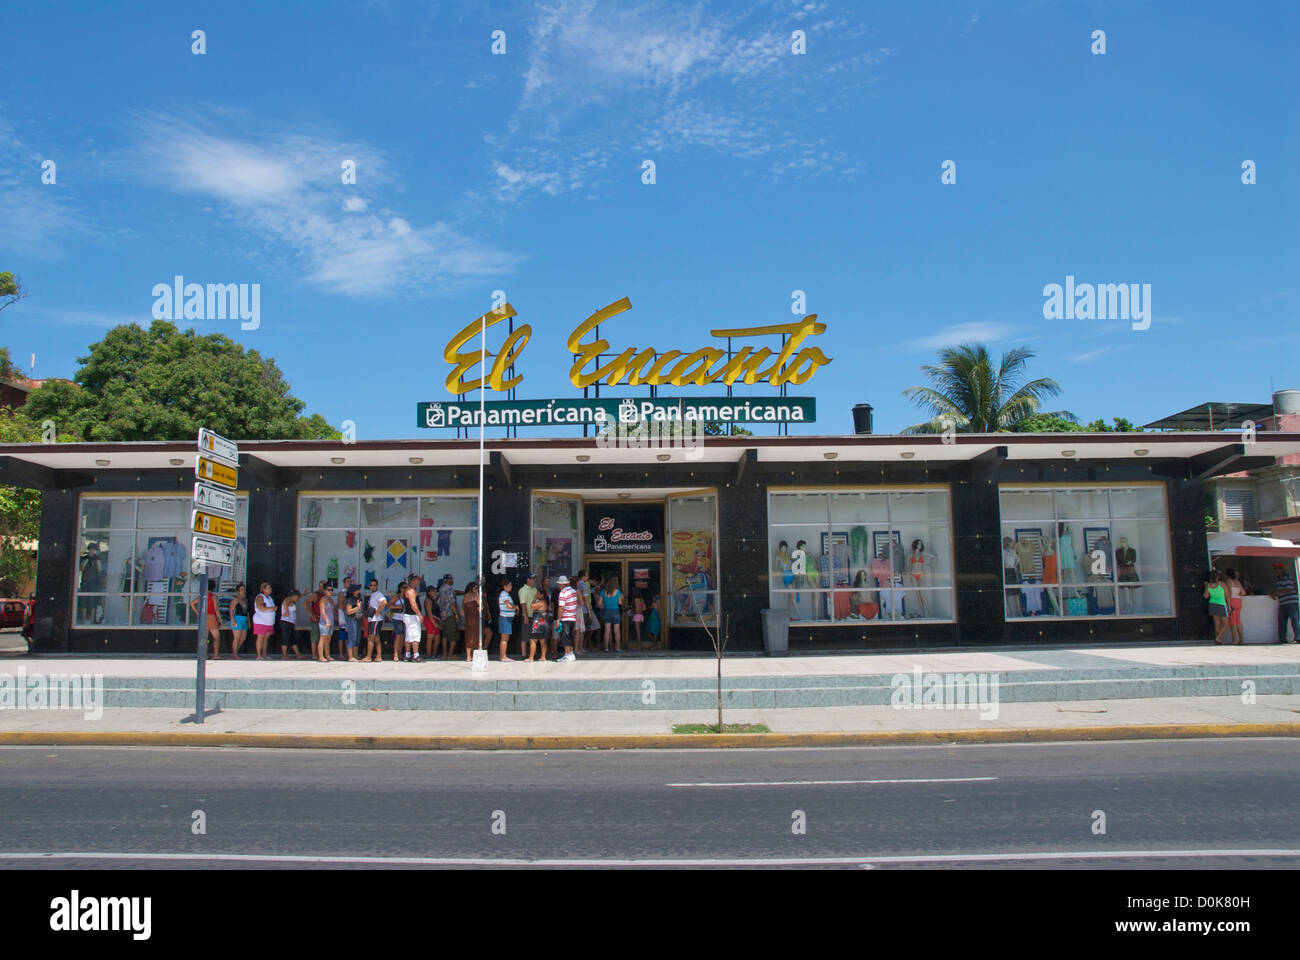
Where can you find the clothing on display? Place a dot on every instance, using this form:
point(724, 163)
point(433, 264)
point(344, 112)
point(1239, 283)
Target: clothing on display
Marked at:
point(879, 572)
point(1027, 552)
point(1065, 550)
point(1033, 596)
point(1126, 562)
point(859, 544)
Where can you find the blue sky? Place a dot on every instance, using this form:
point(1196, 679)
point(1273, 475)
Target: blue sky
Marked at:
point(774, 172)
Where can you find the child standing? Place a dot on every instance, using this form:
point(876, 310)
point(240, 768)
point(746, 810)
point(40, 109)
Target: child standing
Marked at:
point(638, 615)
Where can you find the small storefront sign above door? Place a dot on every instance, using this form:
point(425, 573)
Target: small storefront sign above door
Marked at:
point(617, 528)
point(545, 413)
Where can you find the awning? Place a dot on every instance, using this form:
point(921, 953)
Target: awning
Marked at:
point(1244, 545)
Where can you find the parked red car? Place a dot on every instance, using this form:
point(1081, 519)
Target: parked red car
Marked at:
point(13, 613)
point(29, 621)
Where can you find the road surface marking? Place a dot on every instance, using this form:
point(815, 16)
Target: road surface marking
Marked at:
point(653, 862)
point(827, 783)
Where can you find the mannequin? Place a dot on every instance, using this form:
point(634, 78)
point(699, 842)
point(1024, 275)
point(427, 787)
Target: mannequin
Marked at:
point(92, 581)
point(1050, 575)
point(798, 561)
point(1066, 562)
point(1126, 566)
point(783, 563)
point(921, 565)
point(1011, 576)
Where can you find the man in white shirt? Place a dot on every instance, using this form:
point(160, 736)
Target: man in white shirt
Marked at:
point(376, 607)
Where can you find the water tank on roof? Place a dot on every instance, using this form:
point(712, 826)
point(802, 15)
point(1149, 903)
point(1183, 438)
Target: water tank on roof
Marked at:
point(1286, 401)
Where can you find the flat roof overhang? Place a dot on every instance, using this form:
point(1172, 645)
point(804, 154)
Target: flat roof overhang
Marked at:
point(50, 466)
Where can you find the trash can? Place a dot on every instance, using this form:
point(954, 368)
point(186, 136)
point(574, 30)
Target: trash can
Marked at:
point(776, 631)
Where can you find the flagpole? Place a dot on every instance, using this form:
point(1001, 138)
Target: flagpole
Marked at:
point(482, 419)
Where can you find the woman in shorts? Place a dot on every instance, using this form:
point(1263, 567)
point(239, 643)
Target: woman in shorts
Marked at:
point(325, 606)
point(238, 620)
point(611, 610)
point(289, 626)
point(1235, 592)
point(1217, 593)
point(214, 621)
point(263, 619)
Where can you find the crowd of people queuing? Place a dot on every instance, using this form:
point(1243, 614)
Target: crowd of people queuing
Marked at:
point(558, 619)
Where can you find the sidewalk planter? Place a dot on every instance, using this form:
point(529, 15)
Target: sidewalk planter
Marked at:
point(776, 631)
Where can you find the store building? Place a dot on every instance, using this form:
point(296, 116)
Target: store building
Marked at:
point(869, 541)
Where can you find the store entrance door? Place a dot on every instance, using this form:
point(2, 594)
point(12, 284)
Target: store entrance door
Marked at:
point(637, 577)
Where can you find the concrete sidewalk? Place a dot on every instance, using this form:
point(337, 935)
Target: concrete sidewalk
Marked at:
point(1046, 693)
point(822, 726)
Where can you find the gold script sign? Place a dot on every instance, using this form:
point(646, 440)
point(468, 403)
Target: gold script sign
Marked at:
point(795, 363)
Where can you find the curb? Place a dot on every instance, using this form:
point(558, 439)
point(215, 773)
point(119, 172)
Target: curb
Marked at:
point(76, 738)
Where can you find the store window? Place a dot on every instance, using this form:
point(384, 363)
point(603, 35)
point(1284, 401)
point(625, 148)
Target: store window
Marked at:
point(386, 538)
point(692, 548)
point(133, 562)
point(1085, 552)
point(853, 555)
point(557, 543)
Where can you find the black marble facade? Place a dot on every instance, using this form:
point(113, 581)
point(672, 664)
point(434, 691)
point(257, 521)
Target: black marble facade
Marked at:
point(743, 545)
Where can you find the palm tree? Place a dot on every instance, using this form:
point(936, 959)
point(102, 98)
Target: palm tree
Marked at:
point(968, 393)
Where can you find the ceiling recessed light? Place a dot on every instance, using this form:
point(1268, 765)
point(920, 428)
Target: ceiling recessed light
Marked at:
point(624, 496)
point(830, 454)
point(907, 454)
point(1141, 453)
point(584, 457)
point(102, 463)
point(175, 461)
point(1067, 453)
point(336, 460)
point(416, 459)
point(663, 456)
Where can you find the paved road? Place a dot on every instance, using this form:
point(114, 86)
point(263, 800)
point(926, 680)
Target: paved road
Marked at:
point(970, 806)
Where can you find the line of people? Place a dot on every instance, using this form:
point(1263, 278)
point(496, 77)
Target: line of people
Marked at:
point(425, 622)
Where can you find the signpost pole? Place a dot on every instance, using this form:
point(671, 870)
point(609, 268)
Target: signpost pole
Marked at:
point(201, 680)
point(480, 655)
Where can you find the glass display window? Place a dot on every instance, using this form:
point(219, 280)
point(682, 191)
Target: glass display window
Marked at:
point(1089, 551)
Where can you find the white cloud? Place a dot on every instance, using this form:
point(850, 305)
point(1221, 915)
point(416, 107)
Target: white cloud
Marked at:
point(1091, 355)
point(38, 218)
point(976, 331)
point(606, 78)
point(286, 190)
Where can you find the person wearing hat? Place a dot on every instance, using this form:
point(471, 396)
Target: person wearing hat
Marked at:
point(568, 605)
point(449, 609)
point(1288, 604)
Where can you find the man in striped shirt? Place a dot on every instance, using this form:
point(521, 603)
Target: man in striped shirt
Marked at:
point(568, 616)
point(1288, 604)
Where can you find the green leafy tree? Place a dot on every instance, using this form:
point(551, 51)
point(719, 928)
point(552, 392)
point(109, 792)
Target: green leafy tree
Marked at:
point(162, 384)
point(1121, 425)
point(969, 392)
point(1046, 423)
point(11, 289)
point(20, 511)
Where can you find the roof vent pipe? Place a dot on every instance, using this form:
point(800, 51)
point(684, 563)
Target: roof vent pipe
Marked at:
point(862, 418)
